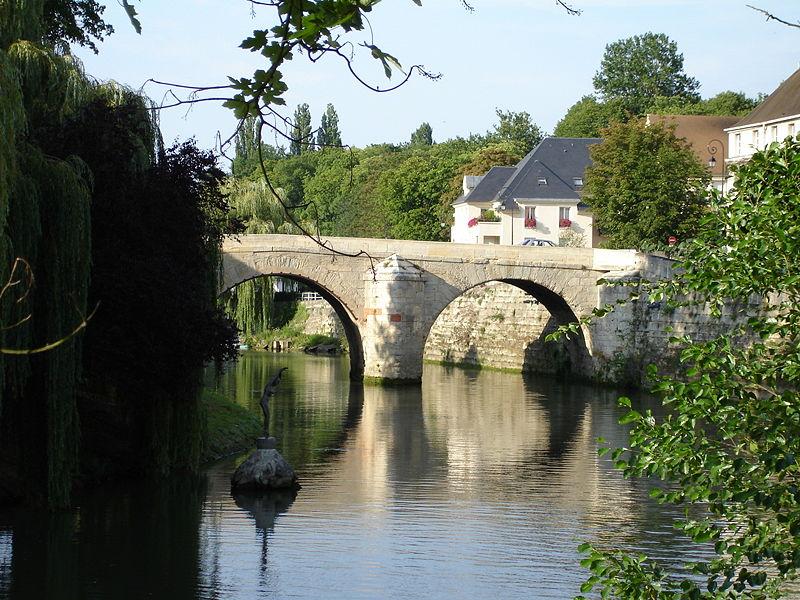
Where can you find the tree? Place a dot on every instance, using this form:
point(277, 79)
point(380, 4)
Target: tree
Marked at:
point(410, 193)
point(246, 160)
point(423, 136)
point(587, 117)
point(723, 104)
point(730, 439)
point(644, 185)
point(74, 21)
point(302, 139)
point(328, 134)
point(638, 69)
point(516, 128)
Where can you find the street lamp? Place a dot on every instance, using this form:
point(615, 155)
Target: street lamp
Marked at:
point(713, 147)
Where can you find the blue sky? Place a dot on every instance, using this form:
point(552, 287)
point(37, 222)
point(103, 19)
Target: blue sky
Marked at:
point(510, 54)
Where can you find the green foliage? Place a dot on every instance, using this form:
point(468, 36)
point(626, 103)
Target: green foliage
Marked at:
point(588, 117)
point(639, 69)
point(644, 185)
point(516, 128)
point(302, 139)
point(255, 209)
point(158, 217)
point(44, 218)
point(289, 175)
point(422, 136)
point(53, 23)
point(723, 104)
point(328, 134)
point(333, 189)
point(74, 21)
point(246, 160)
point(729, 442)
point(311, 27)
point(410, 194)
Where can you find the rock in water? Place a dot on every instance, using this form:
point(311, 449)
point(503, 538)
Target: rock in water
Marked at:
point(264, 469)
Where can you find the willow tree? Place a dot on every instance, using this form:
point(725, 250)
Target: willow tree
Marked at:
point(44, 218)
point(255, 205)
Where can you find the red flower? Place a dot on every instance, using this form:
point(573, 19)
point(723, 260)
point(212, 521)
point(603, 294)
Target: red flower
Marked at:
point(530, 223)
point(472, 222)
point(565, 223)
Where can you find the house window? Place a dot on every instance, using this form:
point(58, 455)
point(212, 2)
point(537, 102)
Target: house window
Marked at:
point(542, 180)
point(756, 140)
point(773, 133)
point(791, 129)
point(491, 239)
point(577, 181)
point(563, 217)
point(738, 144)
point(530, 217)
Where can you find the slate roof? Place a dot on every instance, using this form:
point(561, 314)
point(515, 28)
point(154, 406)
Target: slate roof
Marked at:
point(490, 185)
point(557, 160)
point(783, 102)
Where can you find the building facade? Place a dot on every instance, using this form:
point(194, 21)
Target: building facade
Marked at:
point(773, 120)
point(537, 201)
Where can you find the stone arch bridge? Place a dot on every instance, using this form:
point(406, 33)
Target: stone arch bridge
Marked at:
point(389, 297)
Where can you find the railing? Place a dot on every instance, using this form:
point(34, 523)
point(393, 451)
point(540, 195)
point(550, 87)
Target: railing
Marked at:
point(310, 296)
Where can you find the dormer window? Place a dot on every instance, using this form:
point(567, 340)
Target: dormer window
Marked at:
point(577, 181)
point(542, 181)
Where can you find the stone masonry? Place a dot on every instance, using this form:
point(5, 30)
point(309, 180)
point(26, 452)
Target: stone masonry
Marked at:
point(389, 293)
point(321, 319)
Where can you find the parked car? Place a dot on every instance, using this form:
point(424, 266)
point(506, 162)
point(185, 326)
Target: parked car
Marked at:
point(536, 242)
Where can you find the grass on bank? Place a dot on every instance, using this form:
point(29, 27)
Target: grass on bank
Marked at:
point(230, 427)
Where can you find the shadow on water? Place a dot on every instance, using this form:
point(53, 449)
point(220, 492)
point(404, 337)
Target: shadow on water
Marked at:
point(120, 542)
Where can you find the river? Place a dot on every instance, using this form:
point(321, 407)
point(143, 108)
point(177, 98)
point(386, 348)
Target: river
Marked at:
point(477, 484)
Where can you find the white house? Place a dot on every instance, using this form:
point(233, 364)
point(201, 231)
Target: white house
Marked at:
point(539, 199)
point(771, 121)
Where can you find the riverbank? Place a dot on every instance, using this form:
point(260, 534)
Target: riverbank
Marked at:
point(229, 427)
point(313, 325)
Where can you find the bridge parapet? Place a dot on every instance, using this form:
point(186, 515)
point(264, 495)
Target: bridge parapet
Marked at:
point(596, 259)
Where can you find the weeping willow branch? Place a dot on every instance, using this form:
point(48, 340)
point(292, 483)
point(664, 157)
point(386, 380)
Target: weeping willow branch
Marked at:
point(22, 278)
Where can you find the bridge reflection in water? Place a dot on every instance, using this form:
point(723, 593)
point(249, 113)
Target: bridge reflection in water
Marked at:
point(474, 485)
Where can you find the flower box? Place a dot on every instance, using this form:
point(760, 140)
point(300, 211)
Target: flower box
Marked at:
point(489, 216)
point(530, 223)
point(564, 223)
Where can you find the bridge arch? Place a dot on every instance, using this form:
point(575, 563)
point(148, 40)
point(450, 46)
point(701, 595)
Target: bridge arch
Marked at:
point(346, 315)
point(577, 359)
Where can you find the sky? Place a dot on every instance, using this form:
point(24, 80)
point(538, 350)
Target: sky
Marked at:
point(520, 55)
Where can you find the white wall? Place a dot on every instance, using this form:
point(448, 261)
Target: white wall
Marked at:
point(547, 224)
point(767, 133)
point(511, 228)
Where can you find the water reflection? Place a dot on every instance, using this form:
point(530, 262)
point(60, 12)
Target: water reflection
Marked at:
point(125, 542)
point(476, 484)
